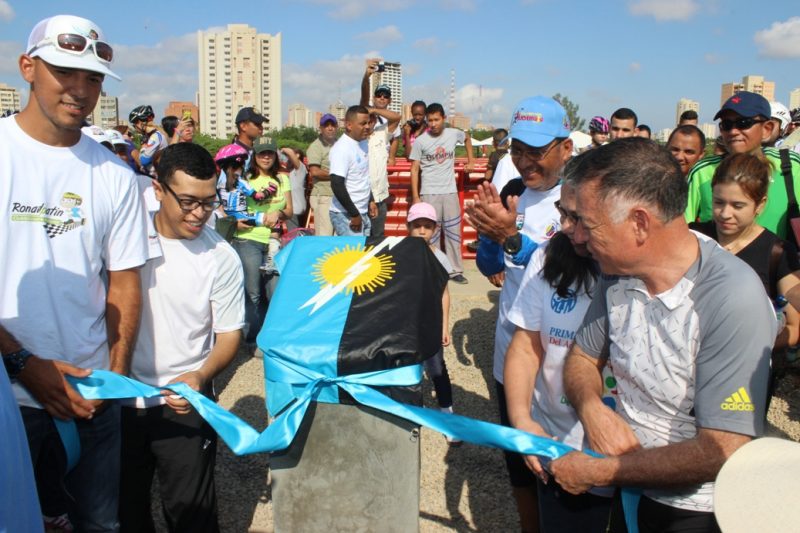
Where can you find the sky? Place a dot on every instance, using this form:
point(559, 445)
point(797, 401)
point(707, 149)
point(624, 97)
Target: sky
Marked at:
point(642, 54)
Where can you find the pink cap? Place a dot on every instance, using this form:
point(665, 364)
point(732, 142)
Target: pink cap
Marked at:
point(422, 210)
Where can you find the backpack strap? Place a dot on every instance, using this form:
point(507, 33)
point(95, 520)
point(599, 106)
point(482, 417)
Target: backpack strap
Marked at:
point(775, 254)
point(788, 178)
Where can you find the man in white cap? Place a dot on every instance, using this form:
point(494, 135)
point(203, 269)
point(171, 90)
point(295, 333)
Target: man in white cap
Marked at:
point(72, 238)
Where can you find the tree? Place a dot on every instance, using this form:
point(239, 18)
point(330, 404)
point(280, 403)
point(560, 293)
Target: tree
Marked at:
point(576, 122)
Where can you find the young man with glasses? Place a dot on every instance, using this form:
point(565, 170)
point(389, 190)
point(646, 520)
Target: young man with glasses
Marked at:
point(511, 225)
point(72, 240)
point(744, 124)
point(192, 319)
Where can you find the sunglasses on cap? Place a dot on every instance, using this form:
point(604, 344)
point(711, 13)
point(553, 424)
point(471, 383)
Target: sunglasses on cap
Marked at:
point(743, 123)
point(74, 43)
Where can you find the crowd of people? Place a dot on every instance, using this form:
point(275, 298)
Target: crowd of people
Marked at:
point(647, 293)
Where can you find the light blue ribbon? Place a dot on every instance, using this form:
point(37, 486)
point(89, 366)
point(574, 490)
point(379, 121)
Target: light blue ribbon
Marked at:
point(68, 432)
point(242, 439)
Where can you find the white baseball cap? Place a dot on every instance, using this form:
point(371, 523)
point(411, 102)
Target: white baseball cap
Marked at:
point(96, 133)
point(115, 137)
point(71, 42)
point(757, 487)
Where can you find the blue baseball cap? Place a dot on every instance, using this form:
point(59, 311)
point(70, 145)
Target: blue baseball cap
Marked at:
point(746, 104)
point(538, 120)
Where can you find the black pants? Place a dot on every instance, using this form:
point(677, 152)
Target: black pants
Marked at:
point(656, 517)
point(182, 449)
point(562, 512)
point(437, 371)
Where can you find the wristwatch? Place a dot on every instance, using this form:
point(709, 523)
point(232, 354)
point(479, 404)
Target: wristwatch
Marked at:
point(513, 244)
point(15, 362)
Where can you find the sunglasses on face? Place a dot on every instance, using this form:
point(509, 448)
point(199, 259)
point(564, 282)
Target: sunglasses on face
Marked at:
point(74, 43)
point(743, 123)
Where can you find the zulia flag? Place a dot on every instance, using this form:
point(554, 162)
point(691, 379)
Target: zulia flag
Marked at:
point(350, 305)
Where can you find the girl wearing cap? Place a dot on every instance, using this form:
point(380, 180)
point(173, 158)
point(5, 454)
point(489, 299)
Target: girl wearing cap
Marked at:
point(421, 222)
point(258, 245)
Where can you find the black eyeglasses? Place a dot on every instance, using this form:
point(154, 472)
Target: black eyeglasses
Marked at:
point(535, 155)
point(188, 205)
point(743, 123)
point(74, 43)
point(566, 215)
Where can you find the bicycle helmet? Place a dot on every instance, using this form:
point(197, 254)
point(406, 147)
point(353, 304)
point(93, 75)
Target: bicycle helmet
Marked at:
point(142, 112)
point(795, 114)
point(230, 154)
point(598, 125)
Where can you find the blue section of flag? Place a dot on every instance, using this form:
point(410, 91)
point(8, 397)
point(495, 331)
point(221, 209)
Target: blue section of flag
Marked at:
point(299, 329)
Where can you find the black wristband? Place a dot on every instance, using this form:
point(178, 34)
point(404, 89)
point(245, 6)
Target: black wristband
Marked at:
point(513, 244)
point(15, 362)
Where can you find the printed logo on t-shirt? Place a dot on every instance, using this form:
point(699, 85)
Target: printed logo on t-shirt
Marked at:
point(440, 155)
point(551, 229)
point(738, 401)
point(56, 220)
point(563, 305)
point(520, 220)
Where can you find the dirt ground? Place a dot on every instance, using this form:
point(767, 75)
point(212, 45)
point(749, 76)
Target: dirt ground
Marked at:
point(463, 488)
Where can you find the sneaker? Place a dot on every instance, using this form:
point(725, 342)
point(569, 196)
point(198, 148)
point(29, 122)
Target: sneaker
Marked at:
point(459, 278)
point(473, 246)
point(59, 523)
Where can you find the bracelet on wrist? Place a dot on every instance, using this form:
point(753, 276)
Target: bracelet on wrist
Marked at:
point(15, 362)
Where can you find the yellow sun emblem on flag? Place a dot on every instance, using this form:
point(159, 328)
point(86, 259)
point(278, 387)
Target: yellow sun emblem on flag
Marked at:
point(362, 271)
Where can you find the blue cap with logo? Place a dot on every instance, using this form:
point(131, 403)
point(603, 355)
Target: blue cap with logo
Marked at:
point(746, 104)
point(538, 120)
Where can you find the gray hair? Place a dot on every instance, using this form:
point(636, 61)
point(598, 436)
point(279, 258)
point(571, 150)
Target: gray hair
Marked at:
point(632, 170)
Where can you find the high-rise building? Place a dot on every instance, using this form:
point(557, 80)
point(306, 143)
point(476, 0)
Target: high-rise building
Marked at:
point(106, 112)
point(10, 98)
point(663, 135)
point(176, 109)
point(338, 110)
point(709, 129)
point(300, 116)
point(238, 67)
point(753, 84)
point(685, 104)
point(393, 77)
point(794, 99)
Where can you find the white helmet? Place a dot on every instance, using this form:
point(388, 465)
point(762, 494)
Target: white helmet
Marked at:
point(780, 112)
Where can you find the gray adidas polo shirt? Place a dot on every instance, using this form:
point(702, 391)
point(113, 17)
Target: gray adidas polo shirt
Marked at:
point(694, 356)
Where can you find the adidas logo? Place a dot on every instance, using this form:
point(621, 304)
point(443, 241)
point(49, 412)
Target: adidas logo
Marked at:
point(738, 401)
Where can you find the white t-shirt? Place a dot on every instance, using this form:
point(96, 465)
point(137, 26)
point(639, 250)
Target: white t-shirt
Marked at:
point(151, 205)
point(379, 142)
point(194, 290)
point(349, 160)
point(67, 215)
point(537, 217)
point(505, 172)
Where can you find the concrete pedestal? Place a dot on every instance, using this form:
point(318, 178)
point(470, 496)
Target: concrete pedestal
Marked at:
point(350, 468)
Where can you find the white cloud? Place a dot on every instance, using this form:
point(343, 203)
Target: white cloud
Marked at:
point(635, 67)
point(472, 100)
point(155, 74)
point(322, 83)
point(781, 40)
point(712, 58)
point(352, 9)
point(6, 11)
point(9, 54)
point(429, 44)
point(382, 36)
point(664, 10)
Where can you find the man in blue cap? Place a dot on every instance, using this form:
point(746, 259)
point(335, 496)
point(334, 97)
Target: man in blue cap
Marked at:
point(512, 223)
point(744, 124)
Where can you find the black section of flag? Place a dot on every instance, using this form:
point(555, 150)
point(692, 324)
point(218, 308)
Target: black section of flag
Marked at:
point(400, 323)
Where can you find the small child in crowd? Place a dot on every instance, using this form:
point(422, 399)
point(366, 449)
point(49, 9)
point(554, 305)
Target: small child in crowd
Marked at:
point(421, 222)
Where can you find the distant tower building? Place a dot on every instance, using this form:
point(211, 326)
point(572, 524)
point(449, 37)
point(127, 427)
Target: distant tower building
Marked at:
point(709, 130)
point(452, 110)
point(460, 121)
point(794, 99)
point(238, 67)
point(753, 84)
point(10, 99)
point(684, 104)
point(300, 116)
point(106, 112)
point(338, 110)
point(393, 77)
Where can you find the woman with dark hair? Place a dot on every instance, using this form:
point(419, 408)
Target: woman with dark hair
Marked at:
point(416, 126)
point(553, 297)
point(739, 189)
